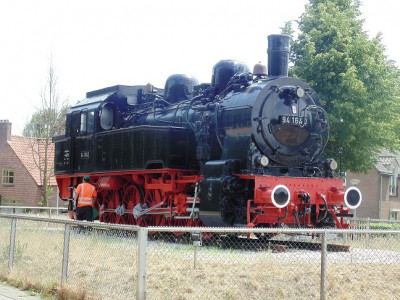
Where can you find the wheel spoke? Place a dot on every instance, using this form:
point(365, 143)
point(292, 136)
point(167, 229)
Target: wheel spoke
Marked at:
point(152, 198)
point(133, 196)
point(110, 207)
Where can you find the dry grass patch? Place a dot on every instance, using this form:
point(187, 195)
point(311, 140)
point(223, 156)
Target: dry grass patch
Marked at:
point(364, 281)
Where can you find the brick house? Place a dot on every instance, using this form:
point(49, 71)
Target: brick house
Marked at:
point(379, 188)
point(20, 176)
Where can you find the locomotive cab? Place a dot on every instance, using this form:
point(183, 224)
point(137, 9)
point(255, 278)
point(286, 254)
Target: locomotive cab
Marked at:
point(101, 111)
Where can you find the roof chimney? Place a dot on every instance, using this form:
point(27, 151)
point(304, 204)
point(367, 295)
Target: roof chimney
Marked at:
point(5, 130)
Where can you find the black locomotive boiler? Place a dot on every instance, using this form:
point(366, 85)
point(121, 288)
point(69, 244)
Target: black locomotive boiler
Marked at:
point(245, 150)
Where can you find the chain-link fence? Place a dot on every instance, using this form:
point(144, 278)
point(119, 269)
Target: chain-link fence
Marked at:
point(127, 262)
point(97, 261)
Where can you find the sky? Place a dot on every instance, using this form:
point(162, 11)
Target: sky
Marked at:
point(96, 44)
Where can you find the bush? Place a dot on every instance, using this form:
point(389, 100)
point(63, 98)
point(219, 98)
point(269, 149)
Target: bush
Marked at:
point(385, 226)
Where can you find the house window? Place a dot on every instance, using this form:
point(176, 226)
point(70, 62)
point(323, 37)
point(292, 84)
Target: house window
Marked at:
point(393, 215)
point(393, 185)
point(8, 177)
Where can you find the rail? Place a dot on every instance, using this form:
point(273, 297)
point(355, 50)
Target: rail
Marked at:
point(32, 209)
point(369, 223)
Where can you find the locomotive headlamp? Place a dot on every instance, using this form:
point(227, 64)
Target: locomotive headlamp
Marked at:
point(299, 92)
point(280, 196)
point(352, 197)
point(262, 160)
point(331, 164)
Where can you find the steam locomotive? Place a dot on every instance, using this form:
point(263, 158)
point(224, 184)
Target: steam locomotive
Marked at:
point(245, 150)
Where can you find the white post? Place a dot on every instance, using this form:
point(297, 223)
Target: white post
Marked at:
point(12, 243)
point(67, 234)
point(141, 264)
point(58, 201)
point(324, 258)
point(367, 235)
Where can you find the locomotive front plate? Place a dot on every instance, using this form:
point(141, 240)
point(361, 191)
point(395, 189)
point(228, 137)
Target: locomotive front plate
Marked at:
point(293, 120)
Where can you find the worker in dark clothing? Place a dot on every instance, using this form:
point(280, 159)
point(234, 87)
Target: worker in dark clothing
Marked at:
point(85, 195)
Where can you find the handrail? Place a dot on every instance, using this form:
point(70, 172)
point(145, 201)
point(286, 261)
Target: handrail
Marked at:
point(34, 207)
point(374, 220)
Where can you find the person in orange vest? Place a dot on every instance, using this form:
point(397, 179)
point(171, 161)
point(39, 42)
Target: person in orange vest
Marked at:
point(85, 194)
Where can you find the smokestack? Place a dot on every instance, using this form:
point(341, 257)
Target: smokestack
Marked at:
point(278, 55)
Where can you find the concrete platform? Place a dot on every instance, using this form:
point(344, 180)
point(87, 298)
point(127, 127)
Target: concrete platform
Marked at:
point(12, 293)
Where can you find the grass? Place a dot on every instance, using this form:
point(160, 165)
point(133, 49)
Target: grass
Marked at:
point(103, 266)
point(37, 288)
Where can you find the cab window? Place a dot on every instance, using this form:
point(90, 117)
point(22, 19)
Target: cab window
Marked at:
point(87, 122)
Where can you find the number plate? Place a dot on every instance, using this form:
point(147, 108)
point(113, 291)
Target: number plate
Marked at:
point(293, 120)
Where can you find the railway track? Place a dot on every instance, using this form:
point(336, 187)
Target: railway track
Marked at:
point(278, 245)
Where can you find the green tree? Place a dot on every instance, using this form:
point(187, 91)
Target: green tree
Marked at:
point(288, 30)
point(43, 118)
point(356, 82)
point(46, 122)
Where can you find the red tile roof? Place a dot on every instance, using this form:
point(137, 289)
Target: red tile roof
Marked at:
point(31, 152)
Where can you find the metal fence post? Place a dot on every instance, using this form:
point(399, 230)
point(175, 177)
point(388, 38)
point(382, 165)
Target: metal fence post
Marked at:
point(67, 235)
point(12, 243)
point(141, 264)
point(367, 235)
point(324, 258)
